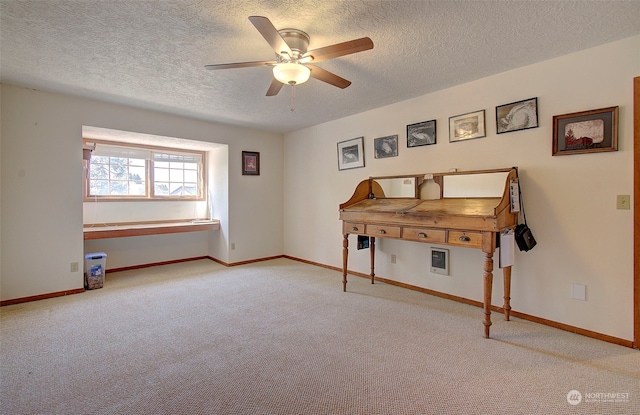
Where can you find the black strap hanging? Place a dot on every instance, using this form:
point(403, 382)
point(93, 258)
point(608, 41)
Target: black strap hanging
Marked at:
point(522, 234)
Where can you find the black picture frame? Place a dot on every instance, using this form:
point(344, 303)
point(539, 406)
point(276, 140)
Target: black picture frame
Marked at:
point(421, 134)
point(351, 154)
point(250, 163)
point(516, 116)
point(467, 126)
point(384, 147)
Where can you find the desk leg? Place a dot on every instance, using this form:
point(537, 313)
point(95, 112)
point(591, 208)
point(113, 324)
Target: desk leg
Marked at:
point(506, 276)
point(372, 254)
point(488, 285)
point(345, 256)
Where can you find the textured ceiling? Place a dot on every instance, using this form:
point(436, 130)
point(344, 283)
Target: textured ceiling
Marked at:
point(151, 54)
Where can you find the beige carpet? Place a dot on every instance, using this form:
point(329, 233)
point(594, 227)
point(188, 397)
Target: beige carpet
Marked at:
point(280, 337)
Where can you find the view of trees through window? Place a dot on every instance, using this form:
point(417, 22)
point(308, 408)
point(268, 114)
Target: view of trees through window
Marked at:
point(117, 176)
point(146, 174)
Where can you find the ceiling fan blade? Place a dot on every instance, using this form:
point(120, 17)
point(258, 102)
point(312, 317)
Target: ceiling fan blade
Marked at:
point(340, 49)
point(328, 77)
point(271, 35)
point(241, 65)
point(274, 88)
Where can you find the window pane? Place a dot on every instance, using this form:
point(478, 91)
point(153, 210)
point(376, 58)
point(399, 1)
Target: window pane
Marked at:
point(190, 176)
point(137, 189)
point(98, 171)
point(137, 162)
point(175, 165)
point(119, 188)
point(99, 159)
point(161, 175)
point(99, 187)
point(191, 166)
point(161, 164)
point(191, 189)
point(161, 189)
point(137, 174)
point(118, 171)
point(176, 176)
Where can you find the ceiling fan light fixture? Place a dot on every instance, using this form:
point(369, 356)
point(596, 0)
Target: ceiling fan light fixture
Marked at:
point(291, 73)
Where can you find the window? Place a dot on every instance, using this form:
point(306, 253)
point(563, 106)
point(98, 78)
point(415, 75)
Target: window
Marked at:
point(175, 175)
point(119, 171)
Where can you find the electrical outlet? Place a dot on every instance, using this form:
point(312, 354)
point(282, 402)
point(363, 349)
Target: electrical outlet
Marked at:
point(233, 246)
point(74, 267)
point(623, 202)
point(393, 259)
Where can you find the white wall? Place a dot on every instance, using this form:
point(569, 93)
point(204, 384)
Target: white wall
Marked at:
point(218, 171)
point(570, 200)
point(42, 190)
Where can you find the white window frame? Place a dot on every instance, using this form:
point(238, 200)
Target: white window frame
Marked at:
point(150, 154)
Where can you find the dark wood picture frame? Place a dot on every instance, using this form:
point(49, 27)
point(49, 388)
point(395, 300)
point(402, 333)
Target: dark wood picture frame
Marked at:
point(516, 116)
point(250, 163)
point(421, 134)
point(592, 131)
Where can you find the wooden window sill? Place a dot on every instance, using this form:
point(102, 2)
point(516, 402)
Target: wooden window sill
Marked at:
point(121, 230)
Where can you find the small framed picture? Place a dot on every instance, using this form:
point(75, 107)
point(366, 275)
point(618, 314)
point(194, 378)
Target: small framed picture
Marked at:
point(467, 126)
point(421, 133)
point(591, 131)
point(384, 147)
point(351, 154)
point(517, 116)
point(250, 163)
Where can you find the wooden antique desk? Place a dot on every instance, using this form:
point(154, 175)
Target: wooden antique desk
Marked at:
point(459, 217)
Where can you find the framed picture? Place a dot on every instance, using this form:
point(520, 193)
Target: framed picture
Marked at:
point(385, 147)
point(591, 131)
point(250, 163)
point(467, 126)
point(421, 133)
point(517, 116)
point(351, 154)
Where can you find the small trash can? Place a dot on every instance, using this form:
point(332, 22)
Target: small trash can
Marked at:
point(95, 266)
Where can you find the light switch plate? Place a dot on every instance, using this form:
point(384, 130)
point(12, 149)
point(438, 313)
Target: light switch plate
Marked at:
point(579, 292)
point(623, 202)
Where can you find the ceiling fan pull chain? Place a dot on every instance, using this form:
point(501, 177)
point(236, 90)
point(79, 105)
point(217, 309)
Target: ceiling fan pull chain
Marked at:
point(293, 95)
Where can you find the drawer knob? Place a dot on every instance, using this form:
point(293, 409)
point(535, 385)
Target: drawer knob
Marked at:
point(382, 231)
point(354, 228)
point(422, 235)
point(464, 238)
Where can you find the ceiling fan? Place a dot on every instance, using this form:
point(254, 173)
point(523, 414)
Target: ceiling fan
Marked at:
point(293, 62)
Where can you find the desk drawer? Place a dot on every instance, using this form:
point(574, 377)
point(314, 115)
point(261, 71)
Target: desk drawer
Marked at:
point(436, 236)
point(351, 227)
point(462, 238)
point(383, 231)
